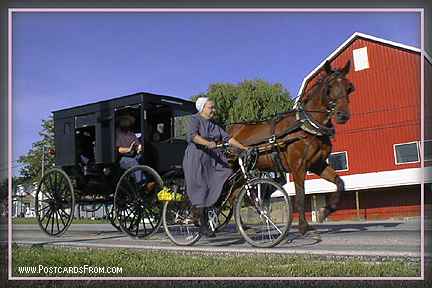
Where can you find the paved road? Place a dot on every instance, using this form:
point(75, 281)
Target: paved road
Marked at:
point(370, 239)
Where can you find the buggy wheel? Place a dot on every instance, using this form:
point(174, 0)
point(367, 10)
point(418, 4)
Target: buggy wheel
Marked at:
point(136, 205)
point(263, 213)
point(111, 215)
point(55, 202)
point(177, 223)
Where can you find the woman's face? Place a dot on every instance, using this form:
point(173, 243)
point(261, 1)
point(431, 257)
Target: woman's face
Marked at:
point(209, 110)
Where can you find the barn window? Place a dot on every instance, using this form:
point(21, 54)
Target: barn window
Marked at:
point(339, 161)
point(406, 153)
point(361, 60)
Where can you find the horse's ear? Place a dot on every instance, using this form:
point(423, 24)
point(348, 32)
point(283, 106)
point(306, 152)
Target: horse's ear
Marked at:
point(347, 67)
point(327, 67)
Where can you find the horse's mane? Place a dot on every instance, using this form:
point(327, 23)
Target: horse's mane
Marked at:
point(321, 76)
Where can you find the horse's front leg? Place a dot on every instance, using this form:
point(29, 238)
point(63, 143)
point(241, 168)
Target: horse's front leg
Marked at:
point(299, 178)
point(328, 173)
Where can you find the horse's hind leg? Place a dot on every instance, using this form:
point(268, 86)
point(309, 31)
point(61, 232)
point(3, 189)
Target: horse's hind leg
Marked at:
point(326, 172)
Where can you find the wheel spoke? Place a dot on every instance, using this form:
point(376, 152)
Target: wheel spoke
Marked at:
point(50, 183)
point(49, 219)
point(64, 189)
point(55, 182)
point(132, 220)
point(143, 220)
point(44, 200)
point(46, 193)
point(57, 221)
point(40, 210)
point(52, 222)
point(61, 218)
point(149, 218)
point(64, 212)
point(137, 227)
point(44, 215)
point(126, 217)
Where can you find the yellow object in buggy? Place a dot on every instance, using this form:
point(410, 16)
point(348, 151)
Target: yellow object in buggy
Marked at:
point(166, 194)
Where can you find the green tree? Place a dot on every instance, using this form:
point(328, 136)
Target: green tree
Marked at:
point(250, 100)
point(31, 163)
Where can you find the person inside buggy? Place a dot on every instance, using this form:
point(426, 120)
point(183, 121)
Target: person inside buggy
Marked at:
point(130, 148)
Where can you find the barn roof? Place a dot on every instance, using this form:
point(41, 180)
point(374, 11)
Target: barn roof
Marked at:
point(348, 42)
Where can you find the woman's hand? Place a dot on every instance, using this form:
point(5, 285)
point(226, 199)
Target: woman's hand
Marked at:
point(211, 145)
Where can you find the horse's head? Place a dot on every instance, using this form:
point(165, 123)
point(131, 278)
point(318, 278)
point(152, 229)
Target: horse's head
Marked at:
point(337, 89)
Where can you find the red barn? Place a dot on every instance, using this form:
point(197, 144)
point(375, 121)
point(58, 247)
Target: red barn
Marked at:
point(378, 152)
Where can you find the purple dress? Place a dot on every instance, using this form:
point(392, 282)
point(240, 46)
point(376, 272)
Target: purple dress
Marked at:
point(205, 170)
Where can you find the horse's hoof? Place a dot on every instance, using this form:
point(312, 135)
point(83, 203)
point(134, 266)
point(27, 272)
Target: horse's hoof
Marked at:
point(304, 229)
point(313, 234)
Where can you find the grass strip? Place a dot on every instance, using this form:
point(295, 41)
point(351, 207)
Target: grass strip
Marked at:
point(141, 263)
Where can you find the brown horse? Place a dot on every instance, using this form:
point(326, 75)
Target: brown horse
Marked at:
point(300, 140)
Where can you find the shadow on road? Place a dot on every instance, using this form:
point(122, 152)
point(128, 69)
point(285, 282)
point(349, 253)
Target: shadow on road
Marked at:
point(353, 227)
point(41, 244)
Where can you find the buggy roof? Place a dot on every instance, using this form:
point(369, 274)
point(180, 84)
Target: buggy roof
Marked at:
point(124, 101)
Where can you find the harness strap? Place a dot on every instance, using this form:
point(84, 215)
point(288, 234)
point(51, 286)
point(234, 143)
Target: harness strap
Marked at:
point(297, 125)
point(275, 155)
point(309, 125)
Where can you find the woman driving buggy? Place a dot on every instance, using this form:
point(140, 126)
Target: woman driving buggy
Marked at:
point(205, 168)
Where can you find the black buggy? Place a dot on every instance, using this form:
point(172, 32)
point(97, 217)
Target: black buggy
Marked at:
point(87, 170)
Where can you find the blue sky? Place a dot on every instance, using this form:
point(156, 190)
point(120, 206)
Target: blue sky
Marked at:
point(66, 59)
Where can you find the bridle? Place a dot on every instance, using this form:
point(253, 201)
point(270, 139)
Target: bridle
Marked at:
point(331, 102)
point(309, 124)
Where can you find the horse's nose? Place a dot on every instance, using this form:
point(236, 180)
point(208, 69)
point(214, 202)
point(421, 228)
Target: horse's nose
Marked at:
point(342, 116)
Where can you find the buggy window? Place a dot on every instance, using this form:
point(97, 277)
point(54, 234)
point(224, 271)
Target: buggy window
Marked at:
point(135, 112)
point(85, 138)
point(159, 122)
